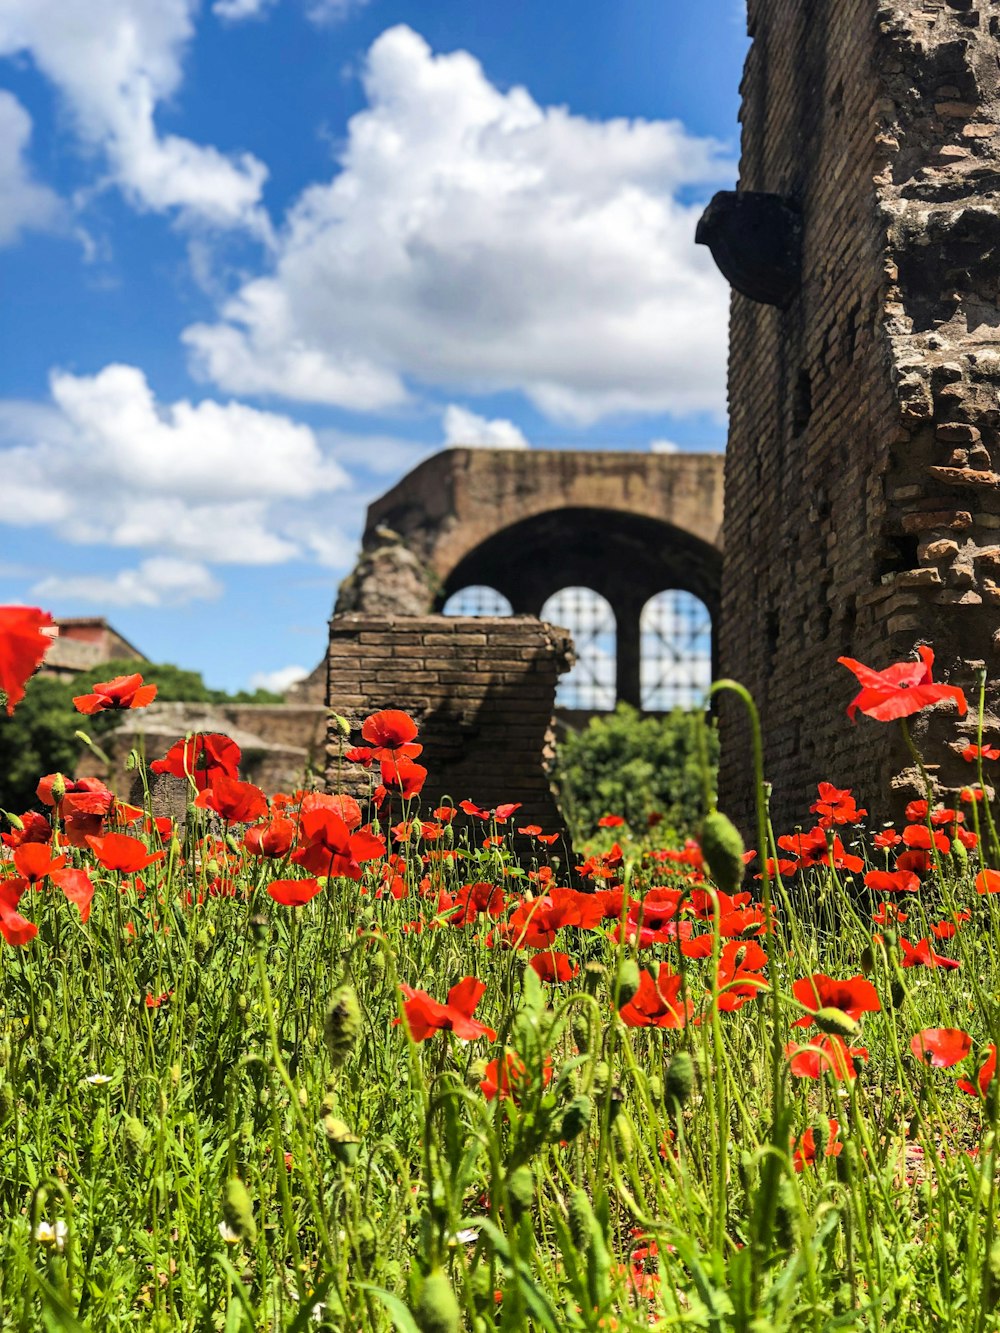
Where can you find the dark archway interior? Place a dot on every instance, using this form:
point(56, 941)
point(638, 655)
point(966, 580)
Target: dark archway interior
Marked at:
point(627, 558)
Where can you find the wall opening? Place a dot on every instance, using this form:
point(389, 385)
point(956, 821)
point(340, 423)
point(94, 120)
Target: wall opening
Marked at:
point(477, 600)
point(675, 632)
point(590, 620)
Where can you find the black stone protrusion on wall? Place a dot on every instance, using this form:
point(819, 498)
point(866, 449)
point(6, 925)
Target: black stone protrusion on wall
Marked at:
point(756, 241)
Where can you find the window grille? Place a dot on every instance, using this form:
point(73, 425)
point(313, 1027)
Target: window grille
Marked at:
point(477, 600)
point(675, 631)
point(589, 618)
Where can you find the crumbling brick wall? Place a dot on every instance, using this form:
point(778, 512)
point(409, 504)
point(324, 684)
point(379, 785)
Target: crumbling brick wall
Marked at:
point(862, 499)
point(481, 689)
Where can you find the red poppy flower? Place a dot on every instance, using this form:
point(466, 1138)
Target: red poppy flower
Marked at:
point(339, 802)
point(510, 1077)
point(898, 881)
point(967, 838)
point(917, 837)
point(984, 1076)
point(15, 928)
point(389, 733)
point(740, 977)
point(122, 692)
point(403, 775)
point(988, 881)
point(813, 849)
point(610, 821)
point(78, 888)
point(530, 830)
point(804, 1152)
point(914, 862)
point(536, 922)
point(554, 966)
point(425, 1015)
point(471, 808)
point(922, 955)
point(293, 892)
point(472, 900)
point(973, 752)
point(941, 1047)
point(199, 758)
point(886, 839)
point(360, 754)
point(888, 913)
point(548, 838)
point(327, 846)
point(23, 644)
point(503, 812)
point(836, 806)
point(118, 851)
point(853, 997)
point(944, 930)
point(34, 828)
point(237, 802)
point(901, 690)
point(34, 861)
point(656, 1003)
point(157, 1001)
point(273, 839)
point(829, 1054)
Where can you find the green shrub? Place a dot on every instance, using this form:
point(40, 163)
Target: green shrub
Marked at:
point(634, 766)
point(40, 737)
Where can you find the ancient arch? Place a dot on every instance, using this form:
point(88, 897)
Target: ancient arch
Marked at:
point(531, 522)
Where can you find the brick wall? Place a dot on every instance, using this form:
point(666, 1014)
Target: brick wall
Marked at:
point(842, 529)
point(481, 689)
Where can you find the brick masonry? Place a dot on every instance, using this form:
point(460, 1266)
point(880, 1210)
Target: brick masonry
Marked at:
point(862, 500)
point(482, 691)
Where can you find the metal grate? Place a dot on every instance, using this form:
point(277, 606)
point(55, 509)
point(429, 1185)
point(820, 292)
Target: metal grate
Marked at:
point(589, 618)
point(477, 600)
point(675, 631)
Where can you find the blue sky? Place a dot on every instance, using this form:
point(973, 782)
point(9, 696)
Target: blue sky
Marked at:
point(258, 257)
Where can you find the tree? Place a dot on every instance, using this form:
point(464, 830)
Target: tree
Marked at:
point(40, 737)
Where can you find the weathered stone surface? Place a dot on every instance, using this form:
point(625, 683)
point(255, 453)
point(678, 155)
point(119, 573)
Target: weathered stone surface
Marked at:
point(389, 579)
point(877, 385)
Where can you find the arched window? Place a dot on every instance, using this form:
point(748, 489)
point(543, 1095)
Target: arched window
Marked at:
point(675, 631)
point(477, 600)
point(589, 618)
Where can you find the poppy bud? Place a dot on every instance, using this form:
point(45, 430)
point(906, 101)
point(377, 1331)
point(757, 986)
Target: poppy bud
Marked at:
point(581, 1032)
point(628, 981)
point(6, 1102)
point(329, 1103)
point(679, 1082)
point(835, 1022)
point(722, 848)
point(623, 1131)
point(341, 723)
point(580, 1216)
point(959, 852)
point(593, 974)
point(654, 1085)
point(14, 821)
point(136, 1137)
point(437, 1309)
point(520, 1190)
point(366, 1240)
point(58, 787)
point(202, 945)
point(344, 1144)
point(260, 927)
point(131, 761)
point(897, 994)
point(576, 1117)
point(867, 961)
point(237, 1210)
point(476, 1074)
point(342, 1024)
point(602, 1077)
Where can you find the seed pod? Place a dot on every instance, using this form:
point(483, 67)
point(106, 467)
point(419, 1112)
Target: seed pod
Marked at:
point(679, 1082)
point(202, 945)
point(344, 1143)
point(628, 981)
point(593, 974)
point(342, 1025)
point(576, 1117)
point(437, 1309)
point(520, 1190)
point(237, 1210)
point(722, 849)
point(136, 1137)
point(602, 1077)
point(580, 1215)
point(835, 1022)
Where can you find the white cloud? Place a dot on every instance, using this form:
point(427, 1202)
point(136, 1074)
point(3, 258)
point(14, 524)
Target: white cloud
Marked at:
point(159, 581)
point(278, 682)
point(475, 240)
point(23, 202)
point(664, 447)
point(464, 427)
point(317, 11)
point(106, 464)
point(332, 11)
point(114, 62)
point(234, 11)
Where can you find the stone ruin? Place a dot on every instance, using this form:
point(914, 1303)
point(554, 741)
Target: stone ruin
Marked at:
point(863, 467)
point(527, 524)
